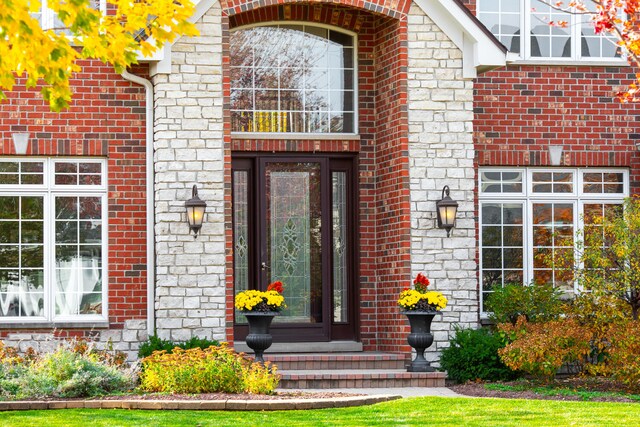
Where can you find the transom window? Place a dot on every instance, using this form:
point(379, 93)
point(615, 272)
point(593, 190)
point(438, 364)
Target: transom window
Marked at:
point(52, 239)
point(508, 20)
point(530, 216)
point(293, 78)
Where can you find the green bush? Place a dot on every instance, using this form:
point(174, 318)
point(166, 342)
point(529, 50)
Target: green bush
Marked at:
point(215, 369)
point(537, 303)
point(72, 370)
point(154, 343)
point(473, 355)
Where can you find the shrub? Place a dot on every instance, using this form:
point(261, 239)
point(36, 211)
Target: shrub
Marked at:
point(540, 349)
point(538, 303)
point(473, 355)
point(215, 369)
point(72, 370)
point(154, 343)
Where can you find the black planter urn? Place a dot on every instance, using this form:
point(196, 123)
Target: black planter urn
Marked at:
point(259, 338)
point(420, 338)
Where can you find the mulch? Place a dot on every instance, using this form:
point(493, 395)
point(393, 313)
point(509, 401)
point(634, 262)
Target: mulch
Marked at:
point(478, 389)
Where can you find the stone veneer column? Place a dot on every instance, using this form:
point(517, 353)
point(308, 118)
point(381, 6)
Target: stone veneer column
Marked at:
point(189, 149)
point(441, 152)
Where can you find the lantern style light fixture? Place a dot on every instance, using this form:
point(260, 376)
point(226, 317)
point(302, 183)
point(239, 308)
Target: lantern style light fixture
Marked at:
point(195, 211)
point(446, 210)
point(20, 142)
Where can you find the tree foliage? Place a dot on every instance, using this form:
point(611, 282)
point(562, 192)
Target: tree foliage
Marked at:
point(608, 254)
point(50, 57)
point(619, 19)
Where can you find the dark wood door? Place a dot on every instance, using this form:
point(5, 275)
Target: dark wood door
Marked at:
point(294, 222)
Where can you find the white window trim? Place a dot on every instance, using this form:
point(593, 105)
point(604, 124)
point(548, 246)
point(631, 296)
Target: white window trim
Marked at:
point(578, 198)
point(311, 135)
point(48, 190)
point(575, 25)
point(47, 17)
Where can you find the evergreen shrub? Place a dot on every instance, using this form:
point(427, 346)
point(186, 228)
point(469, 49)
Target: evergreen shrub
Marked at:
point(473, 355)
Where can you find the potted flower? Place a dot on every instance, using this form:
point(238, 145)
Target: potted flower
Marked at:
point(260, 308)
point(420, 306)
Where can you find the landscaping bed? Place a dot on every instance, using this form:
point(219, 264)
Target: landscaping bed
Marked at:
point(576, 389)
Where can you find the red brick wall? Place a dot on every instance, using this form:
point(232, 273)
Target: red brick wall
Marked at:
point(384, 226)
point(106, 119)
point(520, 110)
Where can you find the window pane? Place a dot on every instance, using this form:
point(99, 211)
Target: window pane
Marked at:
point(501, 243)
point(552, 182)
point(549, 41)
point(606, 183)
point(269, 81)
point(596, 45)
point(552, 242)
point(502, 18)
point(240, 234)
point(78, 266)
point(340, 253)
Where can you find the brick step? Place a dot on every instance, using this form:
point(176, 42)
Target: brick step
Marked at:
point(362, 378)
point(352, 361)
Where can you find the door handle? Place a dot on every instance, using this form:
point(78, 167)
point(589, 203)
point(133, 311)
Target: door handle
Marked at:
point(263, 266)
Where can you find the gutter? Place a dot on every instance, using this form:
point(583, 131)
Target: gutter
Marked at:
point(150, 178)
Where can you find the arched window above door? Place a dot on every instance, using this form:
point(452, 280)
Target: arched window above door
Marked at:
point(293, 78)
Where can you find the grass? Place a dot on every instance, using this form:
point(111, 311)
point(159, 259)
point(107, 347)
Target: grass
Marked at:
point(431, 411)
point(551, 390)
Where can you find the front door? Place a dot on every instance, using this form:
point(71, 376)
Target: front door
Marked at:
point(293, 222)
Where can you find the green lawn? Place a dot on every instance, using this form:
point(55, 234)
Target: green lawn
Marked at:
point(424, 411)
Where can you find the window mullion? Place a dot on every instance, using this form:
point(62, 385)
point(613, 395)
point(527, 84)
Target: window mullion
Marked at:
point(49, 245)
point(525, 34)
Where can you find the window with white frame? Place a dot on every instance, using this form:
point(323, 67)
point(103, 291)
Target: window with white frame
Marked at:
point(49, 20)
point(522, 26)
point(529, 218)
point(303, 80)
point(53, 220)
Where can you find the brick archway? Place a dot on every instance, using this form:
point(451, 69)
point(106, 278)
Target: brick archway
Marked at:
point(396, 9)
point(384, 230)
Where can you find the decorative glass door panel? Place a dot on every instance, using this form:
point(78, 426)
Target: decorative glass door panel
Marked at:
point(293, 222)
point(293, 244)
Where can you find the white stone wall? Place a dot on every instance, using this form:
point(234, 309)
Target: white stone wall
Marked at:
point(190, 279)
point(441, 153)
point(126, 340)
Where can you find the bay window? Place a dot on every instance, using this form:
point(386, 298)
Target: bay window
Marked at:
point(52, 240)
point(530, 217)
point(522, 26)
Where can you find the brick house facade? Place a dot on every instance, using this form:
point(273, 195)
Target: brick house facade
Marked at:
point(424, 117)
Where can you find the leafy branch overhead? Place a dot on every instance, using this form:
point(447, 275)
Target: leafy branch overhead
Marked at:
point(617, 19)
point(50, 57)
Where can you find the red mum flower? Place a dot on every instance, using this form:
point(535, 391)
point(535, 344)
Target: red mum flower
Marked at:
point(421, 282)
point(276, 286)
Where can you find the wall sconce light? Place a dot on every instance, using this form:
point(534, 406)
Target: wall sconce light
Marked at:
point(195, 211)
point(638, 145)
point(446, 209)
point(20, 142)
point(555, 154)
